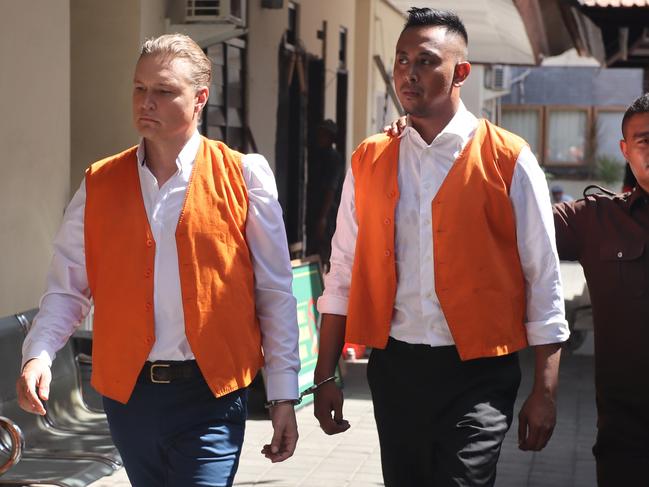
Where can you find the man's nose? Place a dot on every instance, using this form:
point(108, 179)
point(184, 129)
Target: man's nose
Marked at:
point(411, 74)
point(147, 100)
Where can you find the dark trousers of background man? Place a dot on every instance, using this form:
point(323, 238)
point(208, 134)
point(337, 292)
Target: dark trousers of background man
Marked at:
point(622, 447)
point(178, 434)
point(441, 421)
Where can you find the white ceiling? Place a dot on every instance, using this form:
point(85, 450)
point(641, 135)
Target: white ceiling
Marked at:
point(496, 32)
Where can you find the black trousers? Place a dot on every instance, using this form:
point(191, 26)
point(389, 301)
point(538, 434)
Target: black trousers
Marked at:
point(622, 447)
point(441, 421)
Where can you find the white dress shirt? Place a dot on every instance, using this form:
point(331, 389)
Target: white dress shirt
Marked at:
point(418, 316)
point(67, 299)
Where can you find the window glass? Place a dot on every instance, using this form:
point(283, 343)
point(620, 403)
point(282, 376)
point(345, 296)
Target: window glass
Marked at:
point(526, 124)
point(566, 139)
point(609, 133)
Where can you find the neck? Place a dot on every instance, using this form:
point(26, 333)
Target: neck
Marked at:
point(161, 155)
point(431, 125)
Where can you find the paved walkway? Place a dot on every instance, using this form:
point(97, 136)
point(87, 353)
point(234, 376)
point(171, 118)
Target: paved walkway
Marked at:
point(352, 458)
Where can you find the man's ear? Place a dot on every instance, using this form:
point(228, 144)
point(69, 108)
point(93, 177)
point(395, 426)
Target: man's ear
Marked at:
point(201, 98)
point(461, 73)
point(623, 148)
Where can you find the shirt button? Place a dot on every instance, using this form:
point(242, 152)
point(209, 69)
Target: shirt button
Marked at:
point(620, 255)
point(388, 253)
point(148, 339)
point(149, 242)
point(391, 194)
point(386, 221)
point(147, 306)
point(147, 273)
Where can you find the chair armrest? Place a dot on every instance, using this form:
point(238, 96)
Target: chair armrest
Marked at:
point(17, 443)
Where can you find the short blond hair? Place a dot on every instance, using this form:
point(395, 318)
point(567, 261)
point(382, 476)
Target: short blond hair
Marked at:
point(181, 46)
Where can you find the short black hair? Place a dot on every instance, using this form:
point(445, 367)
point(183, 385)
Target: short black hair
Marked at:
point(640, 105)
point(425, 17)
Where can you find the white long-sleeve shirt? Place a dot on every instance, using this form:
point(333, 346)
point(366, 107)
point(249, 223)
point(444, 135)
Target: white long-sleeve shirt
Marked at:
point(67, 298)
point(418, 316)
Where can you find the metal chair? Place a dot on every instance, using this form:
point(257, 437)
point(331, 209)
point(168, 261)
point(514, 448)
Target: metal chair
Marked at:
point(42, 439)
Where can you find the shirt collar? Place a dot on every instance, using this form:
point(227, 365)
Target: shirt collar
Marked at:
point(462, 125)
point(637, 197)
point(185, 158)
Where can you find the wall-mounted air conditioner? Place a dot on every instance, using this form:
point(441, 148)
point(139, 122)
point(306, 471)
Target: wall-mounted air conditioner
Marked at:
point(208, 11)
point(498, 77)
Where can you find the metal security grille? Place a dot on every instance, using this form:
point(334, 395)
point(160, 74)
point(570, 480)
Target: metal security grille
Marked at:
point(203, 10)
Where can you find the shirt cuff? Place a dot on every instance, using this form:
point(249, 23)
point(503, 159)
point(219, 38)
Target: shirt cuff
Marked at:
point(333, 305)
point(39, 351)
point(545, 332)
point(281, 385)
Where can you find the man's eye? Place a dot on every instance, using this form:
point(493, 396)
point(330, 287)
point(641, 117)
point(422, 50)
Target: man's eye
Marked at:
point(402, 60)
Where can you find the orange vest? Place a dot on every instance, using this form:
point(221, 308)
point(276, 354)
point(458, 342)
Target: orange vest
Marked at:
point(216, 274)
point(478, 277)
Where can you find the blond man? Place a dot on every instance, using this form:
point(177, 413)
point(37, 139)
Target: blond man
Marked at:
point(180, 242)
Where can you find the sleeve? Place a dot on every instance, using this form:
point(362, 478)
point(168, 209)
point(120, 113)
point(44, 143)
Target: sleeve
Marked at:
point(275, 303)
point(66, 301)
point(343, 246)
point(566, 223)
point(545, 320)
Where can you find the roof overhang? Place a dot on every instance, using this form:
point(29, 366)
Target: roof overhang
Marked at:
point(497, 34)
point(554, 26)
point(625, 30)
point(524, 31)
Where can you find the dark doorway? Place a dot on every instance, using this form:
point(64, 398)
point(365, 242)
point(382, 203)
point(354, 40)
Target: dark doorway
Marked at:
point(342, 80)
point(315, 116)
point(290, 149)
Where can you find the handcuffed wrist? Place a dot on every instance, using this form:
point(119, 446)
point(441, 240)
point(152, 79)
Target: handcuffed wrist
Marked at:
point(276, 402)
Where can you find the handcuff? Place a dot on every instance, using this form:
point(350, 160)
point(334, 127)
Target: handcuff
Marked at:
point(306, 392)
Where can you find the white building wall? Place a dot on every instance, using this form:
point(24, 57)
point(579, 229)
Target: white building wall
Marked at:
point(35, 141)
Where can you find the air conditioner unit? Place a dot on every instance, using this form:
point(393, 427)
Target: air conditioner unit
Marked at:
point(498, 77)
point(208, 11)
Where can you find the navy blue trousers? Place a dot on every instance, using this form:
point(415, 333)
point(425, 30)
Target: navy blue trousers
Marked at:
point(178, 434)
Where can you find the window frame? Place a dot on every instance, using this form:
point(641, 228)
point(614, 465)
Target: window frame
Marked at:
point(540, 109)
point(551, 163)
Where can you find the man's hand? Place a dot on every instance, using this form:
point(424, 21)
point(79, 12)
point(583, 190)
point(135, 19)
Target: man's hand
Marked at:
point(329, 398)
point(33, 386)
point(536, 421)
point(396, 127)
point(539, 412)
point(285, 434)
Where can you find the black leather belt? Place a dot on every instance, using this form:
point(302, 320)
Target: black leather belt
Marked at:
point(165, 372)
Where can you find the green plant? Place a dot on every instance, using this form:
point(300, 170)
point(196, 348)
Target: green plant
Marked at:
point(609, 169)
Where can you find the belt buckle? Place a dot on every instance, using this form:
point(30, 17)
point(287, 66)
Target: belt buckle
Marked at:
point(153, 379)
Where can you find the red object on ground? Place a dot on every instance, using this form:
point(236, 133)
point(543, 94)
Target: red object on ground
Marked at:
point(353, 351)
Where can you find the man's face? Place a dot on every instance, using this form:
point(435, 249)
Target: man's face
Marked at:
point(424, 68)
point(635, 147)
point(166, 105)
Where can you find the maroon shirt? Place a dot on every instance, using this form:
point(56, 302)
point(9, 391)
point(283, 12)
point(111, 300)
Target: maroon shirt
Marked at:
point(609, 236)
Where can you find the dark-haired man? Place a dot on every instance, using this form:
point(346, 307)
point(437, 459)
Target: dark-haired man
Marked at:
point(608, 234)
point(444, 263)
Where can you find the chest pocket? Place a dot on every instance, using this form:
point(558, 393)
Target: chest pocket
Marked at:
point(627, 264)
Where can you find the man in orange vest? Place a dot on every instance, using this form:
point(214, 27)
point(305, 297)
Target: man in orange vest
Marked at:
point(443, 262)
point(180, 242)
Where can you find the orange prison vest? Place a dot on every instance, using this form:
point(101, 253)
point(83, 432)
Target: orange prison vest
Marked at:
point(216, 273)
point(478, 277)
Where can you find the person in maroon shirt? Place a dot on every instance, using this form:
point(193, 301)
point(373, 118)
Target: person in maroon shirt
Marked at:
point(609, 235)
